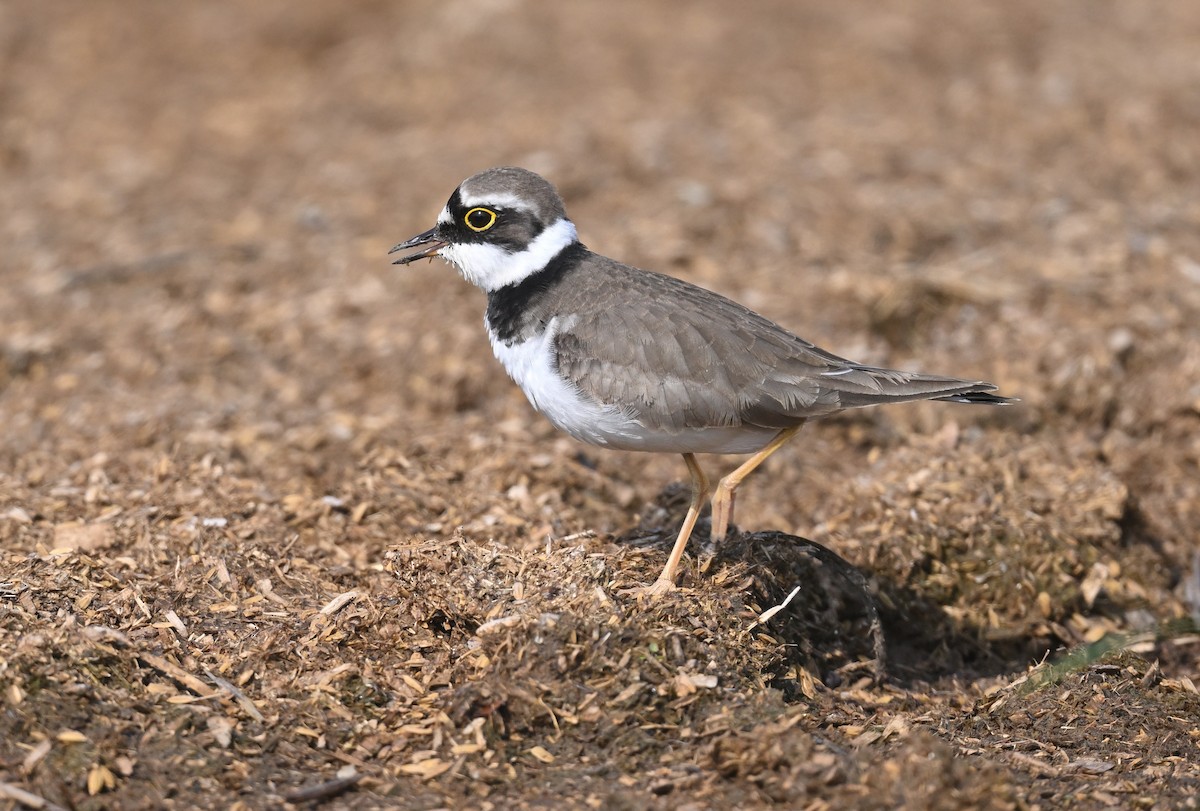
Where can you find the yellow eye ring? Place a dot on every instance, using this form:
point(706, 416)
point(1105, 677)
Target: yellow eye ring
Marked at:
point(479, 219)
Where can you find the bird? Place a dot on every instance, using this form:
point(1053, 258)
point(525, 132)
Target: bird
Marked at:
point(630, 359)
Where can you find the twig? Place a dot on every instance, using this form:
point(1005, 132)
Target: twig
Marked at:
point(1036, 765)
point(27, 798)
point(175, 672)
point(339, 602)
point(242, 699)
point(765, 616)
point(323, 791)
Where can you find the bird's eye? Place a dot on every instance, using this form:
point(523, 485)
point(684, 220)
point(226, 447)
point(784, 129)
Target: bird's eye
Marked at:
point(480, 219)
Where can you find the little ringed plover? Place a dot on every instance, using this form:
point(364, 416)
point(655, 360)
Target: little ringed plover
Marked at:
point(626, 358)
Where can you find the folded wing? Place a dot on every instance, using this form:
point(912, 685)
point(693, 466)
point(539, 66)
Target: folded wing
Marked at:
point(685, 357)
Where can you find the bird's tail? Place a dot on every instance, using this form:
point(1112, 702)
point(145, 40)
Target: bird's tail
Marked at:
point(979, 397)
point(859, 386)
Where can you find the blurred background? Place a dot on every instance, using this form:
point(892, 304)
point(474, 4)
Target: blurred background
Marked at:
point(196, 201)
point(208, 366)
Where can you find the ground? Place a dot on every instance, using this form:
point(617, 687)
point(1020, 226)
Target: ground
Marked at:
point(276, 531)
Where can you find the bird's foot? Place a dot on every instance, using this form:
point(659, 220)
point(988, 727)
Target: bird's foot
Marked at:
point(655, 590)
point(710, 549)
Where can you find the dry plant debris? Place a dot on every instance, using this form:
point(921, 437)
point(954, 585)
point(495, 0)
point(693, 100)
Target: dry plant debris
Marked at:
point(276, 532)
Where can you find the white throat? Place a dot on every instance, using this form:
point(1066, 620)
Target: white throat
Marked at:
point(490, 267)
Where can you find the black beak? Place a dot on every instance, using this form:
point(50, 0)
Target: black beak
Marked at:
point(431, 242)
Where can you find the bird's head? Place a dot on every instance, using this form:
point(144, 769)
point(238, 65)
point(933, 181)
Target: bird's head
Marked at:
point(498, 228)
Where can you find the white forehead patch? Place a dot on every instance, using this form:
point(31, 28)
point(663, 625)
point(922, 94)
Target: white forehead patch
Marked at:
point(445, 218)
point(493, 200)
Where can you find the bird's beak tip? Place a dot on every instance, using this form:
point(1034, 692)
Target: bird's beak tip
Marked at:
point(429, 240)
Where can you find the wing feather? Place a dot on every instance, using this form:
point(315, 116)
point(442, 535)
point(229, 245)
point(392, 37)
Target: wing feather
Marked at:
point(676, 356)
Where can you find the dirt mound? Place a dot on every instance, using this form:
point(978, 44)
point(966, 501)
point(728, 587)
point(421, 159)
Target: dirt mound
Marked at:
point(275, 529)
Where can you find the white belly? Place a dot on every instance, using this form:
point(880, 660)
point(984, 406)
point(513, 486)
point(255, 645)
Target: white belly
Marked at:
point(531, 366)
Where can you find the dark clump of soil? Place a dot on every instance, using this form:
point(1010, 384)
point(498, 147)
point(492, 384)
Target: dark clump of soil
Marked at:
point(276, 531)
